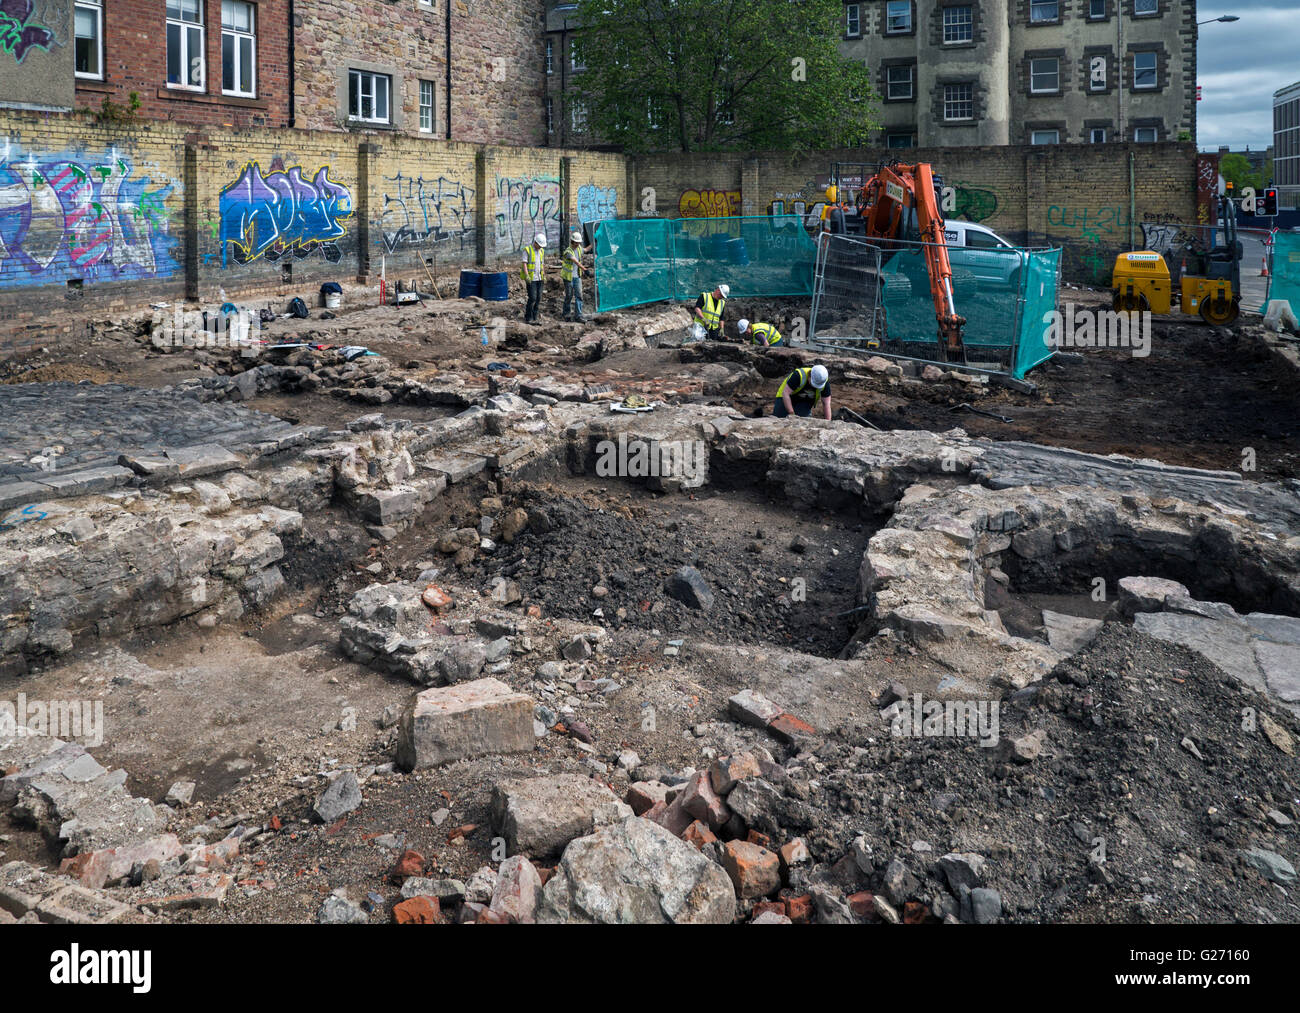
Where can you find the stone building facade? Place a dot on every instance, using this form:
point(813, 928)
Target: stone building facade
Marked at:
point(382, 65)
point(980, 72)
point(956, 72)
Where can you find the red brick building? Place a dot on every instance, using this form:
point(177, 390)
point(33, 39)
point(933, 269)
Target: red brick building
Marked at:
point(209, 62)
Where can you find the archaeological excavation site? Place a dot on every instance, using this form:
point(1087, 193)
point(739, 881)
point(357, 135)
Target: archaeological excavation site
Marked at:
point(413, 638)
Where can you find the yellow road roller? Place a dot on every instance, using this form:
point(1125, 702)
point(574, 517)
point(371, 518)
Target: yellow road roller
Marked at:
point(1209, 282)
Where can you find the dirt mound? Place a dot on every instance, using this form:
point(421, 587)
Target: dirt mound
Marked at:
point(1157, 772)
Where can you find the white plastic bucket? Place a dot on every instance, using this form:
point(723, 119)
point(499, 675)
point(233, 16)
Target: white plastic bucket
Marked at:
point(333, 300)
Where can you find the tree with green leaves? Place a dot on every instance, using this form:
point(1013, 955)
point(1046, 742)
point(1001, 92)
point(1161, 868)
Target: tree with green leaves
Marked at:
point(1236, 170)
point(716, 75)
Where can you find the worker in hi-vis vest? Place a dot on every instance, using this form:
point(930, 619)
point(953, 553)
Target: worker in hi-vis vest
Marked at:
point(532, 273)
point(571, 272)
point(764, 335)
point(803, 392)
point(709, 309)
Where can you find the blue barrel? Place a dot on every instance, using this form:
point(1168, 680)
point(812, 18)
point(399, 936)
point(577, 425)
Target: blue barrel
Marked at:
point(496, 287)
point(471, 283)
point(737, 252)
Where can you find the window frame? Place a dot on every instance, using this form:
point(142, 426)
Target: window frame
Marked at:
point(969, 25)
point(238, 35)
point(853, 23)
point(1092, 135)
point(1092, 6)
point(1155, 135)
point(97, 6)
point(578, 117)
point(186, 28)
point(1154, 71)
point(373, 76)
point(911, 82)
point(550, 116)
point(1055, 132)
point(550, 57)
point(889, 30)
point(575, 56)
point(969, 100)
point(1034, 5)
point(431, 106)
point(1056, 88)
point(1154, 12)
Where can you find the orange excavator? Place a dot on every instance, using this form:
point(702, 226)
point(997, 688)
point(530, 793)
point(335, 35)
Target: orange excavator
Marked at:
point(898, 200)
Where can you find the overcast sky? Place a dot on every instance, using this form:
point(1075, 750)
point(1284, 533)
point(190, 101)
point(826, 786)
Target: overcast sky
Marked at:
point(1240, 65)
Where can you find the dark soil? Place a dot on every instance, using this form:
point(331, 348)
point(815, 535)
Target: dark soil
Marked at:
point(743, 544)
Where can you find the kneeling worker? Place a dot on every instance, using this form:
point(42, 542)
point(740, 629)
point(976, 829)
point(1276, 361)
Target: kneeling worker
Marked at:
point(804, 391)
point(760, 333)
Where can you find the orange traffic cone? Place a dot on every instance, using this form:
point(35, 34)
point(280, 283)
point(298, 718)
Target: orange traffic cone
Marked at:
point(1263, 267)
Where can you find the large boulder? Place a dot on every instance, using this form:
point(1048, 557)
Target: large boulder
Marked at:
point(538, 816)
point(636, 872)
point(458, 722)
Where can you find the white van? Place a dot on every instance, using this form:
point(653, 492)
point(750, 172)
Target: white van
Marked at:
point(983, 253)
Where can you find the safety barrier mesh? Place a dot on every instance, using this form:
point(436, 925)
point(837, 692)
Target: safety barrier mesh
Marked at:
point(877, 297)
point(1284, 269)
point(651, 259)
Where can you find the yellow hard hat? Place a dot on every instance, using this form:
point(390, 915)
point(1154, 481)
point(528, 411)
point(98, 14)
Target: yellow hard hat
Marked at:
point(832, 194)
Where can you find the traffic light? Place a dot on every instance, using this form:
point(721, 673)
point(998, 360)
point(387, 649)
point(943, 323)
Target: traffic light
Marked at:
point(1268, 203)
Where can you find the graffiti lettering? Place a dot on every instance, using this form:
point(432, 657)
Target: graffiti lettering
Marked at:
point(18, 33)
point(67, 219)
point(1166, 237)
point(30, 513)
point(528, 206)
point(1088, 220)
point(709, 204)
point(971, 203)
point(420, 211)
point(597, 203)
point(282, 213)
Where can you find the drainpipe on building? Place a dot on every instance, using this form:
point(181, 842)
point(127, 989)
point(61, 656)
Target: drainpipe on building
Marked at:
point(448, 88)
point(293, 111)
point(1132, 198)
point(1119, 71)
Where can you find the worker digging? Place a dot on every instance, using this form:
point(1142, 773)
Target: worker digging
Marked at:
point(805, 391)
point(762, 334)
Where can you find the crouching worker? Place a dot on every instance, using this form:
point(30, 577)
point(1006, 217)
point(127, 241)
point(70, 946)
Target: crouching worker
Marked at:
point(803, 392)
point(764, 335)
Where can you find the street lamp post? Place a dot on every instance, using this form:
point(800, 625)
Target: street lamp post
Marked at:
point(1225, 18)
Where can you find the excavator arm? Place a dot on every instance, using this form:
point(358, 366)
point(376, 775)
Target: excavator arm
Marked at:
point(889, 194)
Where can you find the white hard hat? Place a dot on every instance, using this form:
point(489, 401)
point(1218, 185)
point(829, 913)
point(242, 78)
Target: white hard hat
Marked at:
point(743, 326)
point(576, 237)
point(725, 290)
point(819, 377)
point(540, 239)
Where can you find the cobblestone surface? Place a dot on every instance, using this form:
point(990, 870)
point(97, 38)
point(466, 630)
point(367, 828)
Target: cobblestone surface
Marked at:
point(95, 423)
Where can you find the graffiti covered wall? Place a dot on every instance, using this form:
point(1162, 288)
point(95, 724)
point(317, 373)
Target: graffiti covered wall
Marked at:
point(36, 53)
point(525, 207)
point(67, 217)
point(283, 213)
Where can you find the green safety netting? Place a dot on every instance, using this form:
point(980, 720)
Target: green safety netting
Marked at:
point(651, 259)
point(1041, 282)
point(1284, 272)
